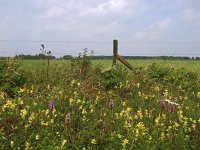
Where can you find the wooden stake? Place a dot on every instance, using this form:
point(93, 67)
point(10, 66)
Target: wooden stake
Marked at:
point(126, 63)
point(115, 51)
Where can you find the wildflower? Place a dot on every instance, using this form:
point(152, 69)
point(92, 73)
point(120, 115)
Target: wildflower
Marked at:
point(172, 108)
point(138, 85)
point(135, 114)
point(140, 126)
point(157, 88)
point(128, 109)
point(67, 119)
point(84, 148)
point(23, 113)
point(111, 103)
point(94, 141)
point(139, 114)
point(166, 93)
point(162, 102)
point(198, 94)
point(58, 134)
point(32, 117)
point(37, 137)
point(47, 112)
point(9, 104)
point(119, 136)
point(51, 105)
point(125, 142)
point(11, 143)
point(84, 111)
point(63, 142)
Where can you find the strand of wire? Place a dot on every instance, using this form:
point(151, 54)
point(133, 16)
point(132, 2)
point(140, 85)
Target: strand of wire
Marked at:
point(98, 42)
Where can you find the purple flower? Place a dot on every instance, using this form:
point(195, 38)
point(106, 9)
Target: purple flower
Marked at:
point(135, 113)
point(162, 102)
point(172, 107)
point(51, 105)
point(111, 103)
point(67, 119)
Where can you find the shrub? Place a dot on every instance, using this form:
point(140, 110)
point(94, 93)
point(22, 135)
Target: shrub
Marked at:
point(12, 76)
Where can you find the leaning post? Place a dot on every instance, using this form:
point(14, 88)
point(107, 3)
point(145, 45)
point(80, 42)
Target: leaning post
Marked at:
point(115, 51)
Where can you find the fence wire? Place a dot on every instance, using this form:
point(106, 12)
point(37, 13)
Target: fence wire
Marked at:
point(102, 48)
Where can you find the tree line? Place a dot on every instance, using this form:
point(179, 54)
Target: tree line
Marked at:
point(43, 56)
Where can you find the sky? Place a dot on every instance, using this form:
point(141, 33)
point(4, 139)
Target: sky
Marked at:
point(142, 27)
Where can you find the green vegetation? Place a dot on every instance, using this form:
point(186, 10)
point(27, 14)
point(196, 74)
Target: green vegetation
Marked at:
point(191, 65)
point(72, 104)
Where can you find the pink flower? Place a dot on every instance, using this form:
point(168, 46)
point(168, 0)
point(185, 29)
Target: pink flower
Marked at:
point(162, 102)
point(51, 105)
point(172, 108)
point(67, 119)
point(111, 103)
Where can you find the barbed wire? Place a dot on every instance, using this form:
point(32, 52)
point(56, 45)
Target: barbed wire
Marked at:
point(136, 43)
point(46, 41)
point(103, 42)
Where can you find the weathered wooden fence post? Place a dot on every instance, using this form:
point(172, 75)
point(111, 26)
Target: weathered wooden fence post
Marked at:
point(115, 51)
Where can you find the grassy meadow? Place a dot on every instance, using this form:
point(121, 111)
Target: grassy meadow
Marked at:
point(193, 65)
point(65, 104)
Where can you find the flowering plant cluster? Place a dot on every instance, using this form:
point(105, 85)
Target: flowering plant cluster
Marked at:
point(138, 113)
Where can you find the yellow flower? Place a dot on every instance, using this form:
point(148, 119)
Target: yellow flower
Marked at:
point(23, 113)
point(157, 120)
point(11, 143)
point(128, 109)
point(198, 94)
point(71, 101)
point(47, 112)
point(139, 113)
point(44, 124)
point(162, 136)
point(125, 142)
point(84, 111)
point(31, 118)
point(157, 88)
point(2, 95)
point(78, 101)
point(124, 104)
point(84, 148)
point(92, 110)
point(73, 81)
point(138, 85)
point(119, 136)
point(37, 137)
point(94, 141)
point(27, 146)
point(9, 104)
point(63, 142)
point(21, 90)
point(140, 126)
point(127, 125)
point(166, 93)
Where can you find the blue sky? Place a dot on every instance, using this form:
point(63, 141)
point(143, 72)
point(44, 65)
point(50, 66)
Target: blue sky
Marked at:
point(143, 27)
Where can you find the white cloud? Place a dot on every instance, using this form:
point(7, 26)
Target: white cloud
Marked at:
point(147, 35)
point(54, 12)
point(190, 15)
point(110, 6)
point(153, 31)
point(160, 25)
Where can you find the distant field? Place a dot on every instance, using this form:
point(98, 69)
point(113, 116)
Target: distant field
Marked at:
point(192, 65)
